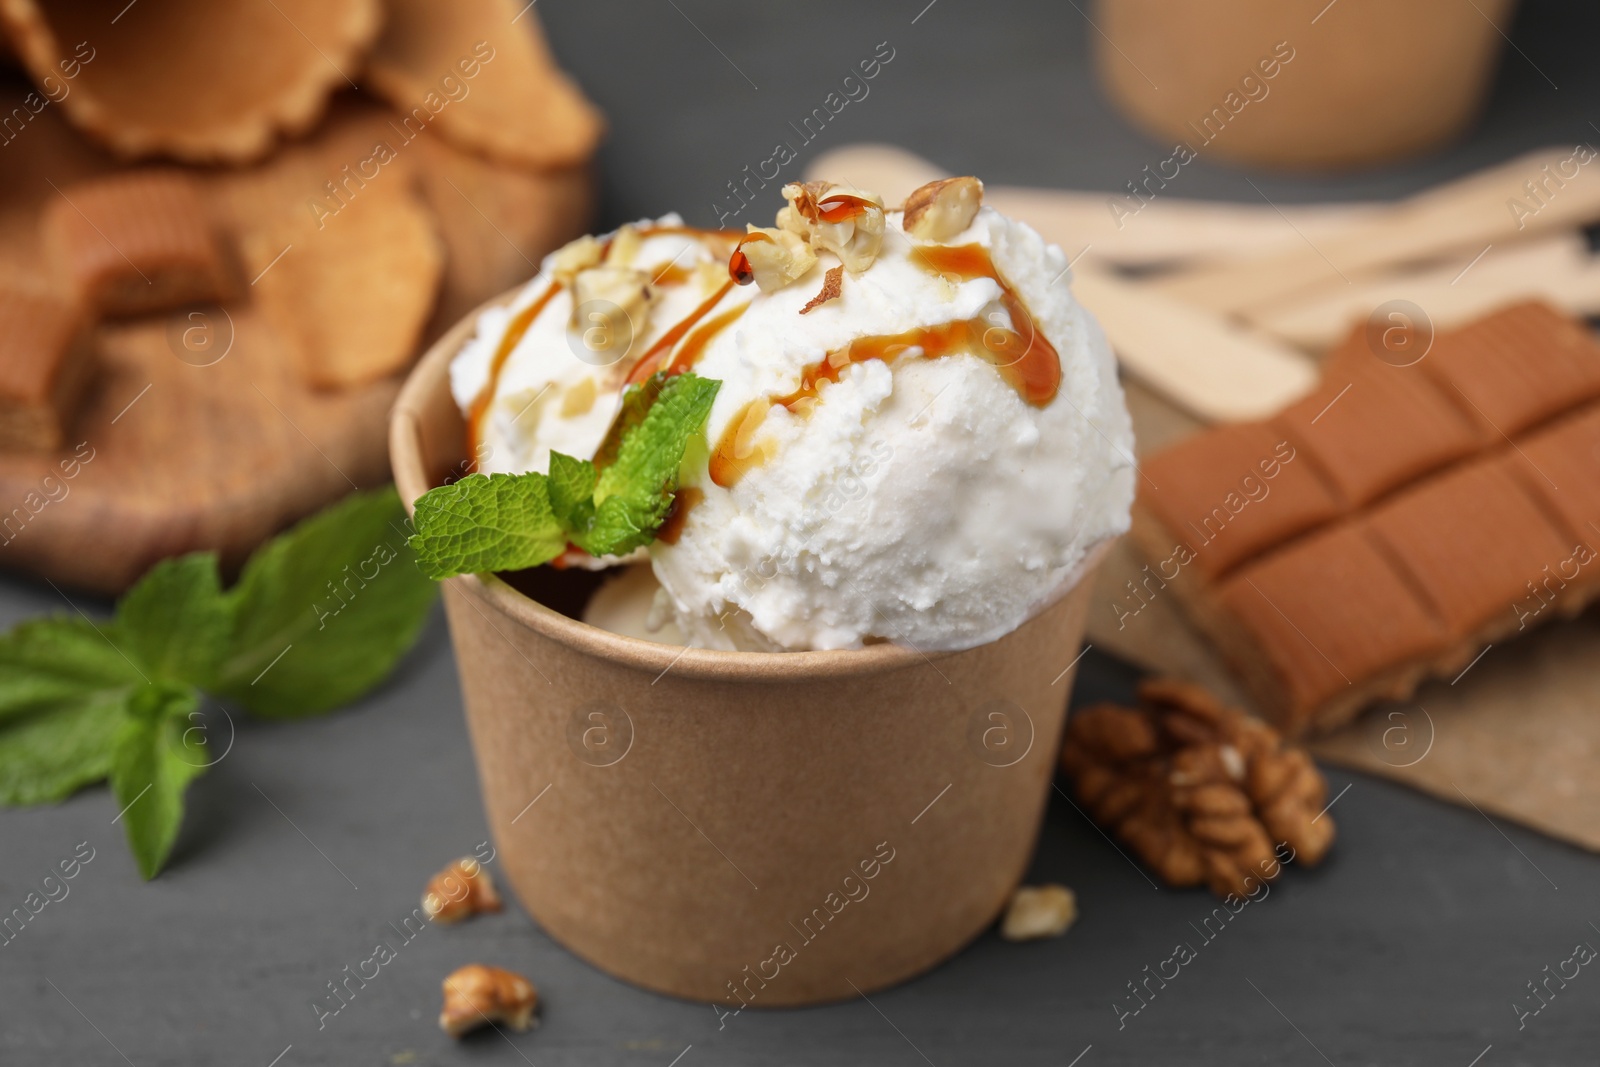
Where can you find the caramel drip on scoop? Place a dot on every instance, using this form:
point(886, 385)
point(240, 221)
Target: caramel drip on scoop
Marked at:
point(1020, 352)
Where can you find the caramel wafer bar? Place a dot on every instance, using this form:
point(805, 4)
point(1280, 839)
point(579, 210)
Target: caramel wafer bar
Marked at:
point(1387, 527)
point(136, 242)
point(45, 361)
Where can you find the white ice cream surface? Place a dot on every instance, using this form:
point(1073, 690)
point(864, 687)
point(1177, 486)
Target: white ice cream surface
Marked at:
point(921, 501)
point(539, 403)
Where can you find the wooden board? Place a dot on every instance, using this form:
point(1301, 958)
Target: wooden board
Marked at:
point(186, 456)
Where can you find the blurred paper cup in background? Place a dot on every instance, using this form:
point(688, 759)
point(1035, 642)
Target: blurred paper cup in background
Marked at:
point(1300, 83)
point(750, 828)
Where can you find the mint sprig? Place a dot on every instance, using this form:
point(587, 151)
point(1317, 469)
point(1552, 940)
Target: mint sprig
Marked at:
point(320, 615)
point(506, 522)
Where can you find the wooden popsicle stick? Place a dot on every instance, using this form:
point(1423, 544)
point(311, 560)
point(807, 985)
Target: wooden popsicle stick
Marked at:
point(1460, 217)
point(1212, 367)
point(1557, 268)
point(1218, 370)
point(1164, 230)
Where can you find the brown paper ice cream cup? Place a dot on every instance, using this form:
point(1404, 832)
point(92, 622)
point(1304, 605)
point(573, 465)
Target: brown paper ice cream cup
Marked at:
point(751, 828)
point(1299, 83)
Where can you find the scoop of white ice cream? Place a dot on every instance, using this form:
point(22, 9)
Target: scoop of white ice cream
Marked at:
point(888, 465)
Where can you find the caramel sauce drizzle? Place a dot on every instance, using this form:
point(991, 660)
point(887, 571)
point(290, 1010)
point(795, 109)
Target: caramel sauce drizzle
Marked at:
point(739, 268)
point(671, 274)
point(1028, 362)
point(514, 330)
point(657, 356)
point(683, 502)
point(830, 207)
point(841, 207)
point(694, 346)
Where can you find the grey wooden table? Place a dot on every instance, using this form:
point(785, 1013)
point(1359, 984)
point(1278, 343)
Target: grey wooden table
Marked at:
point(1408, 947)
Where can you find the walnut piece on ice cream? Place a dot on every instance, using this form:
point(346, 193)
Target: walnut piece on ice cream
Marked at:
point(940, 210)
point(621, 288)
point(575, 256)
point(836, 218)
point(771, 258)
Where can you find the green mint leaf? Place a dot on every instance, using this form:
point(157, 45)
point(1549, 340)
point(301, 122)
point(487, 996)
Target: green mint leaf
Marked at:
point(324, 611)
point(176, 620)
point(63, 686)
point(571, 485)
point(156, 756)
point(483, 523)
point(634, 493)
point(637, 400)
point(45, 758)
point(504, 522)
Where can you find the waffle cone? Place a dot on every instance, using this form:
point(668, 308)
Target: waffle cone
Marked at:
point(201, 82)
point(515, 106)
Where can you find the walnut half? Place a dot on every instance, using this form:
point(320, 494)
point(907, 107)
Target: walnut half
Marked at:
point(1200, 792)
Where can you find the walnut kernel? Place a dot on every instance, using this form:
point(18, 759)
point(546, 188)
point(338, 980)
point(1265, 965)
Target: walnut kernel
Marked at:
point(771, 258)
point(1039, 911)
point(940, 210)
point(460, 890)
point(570, 258)
point(1199, 791)
point(477, 995)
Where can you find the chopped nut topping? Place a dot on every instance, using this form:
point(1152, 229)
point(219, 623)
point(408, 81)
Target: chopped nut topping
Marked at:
point(802, 207)
point(832, 286)
point(1199, 791)
point(477, 995)
point(621, 291)
point(847, 222)
point(625, 246)
point(575, 256)
point(940, 210)
point(709, 275)
point(771, 258)
point(579, 399)
point(462, 889)
point(1039, 911)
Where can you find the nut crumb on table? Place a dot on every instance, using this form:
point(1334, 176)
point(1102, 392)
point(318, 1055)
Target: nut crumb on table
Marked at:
point(459, 891)
point(479, 995)
point(1039, 911)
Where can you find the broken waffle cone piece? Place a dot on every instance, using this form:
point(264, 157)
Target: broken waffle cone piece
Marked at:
point(482, 72)
point(45, 362)
point(196, 81)
point(136, 242)
point(352, 287)
point(1199, 791)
